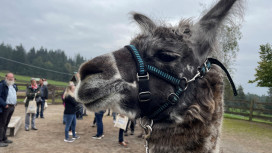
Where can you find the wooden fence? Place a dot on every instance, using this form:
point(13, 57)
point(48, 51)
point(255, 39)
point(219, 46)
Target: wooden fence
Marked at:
point(251, 109)
point(54, 93)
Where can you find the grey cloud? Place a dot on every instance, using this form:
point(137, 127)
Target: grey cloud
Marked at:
point(95, 27)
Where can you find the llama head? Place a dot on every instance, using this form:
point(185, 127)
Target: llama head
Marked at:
point(109, 81)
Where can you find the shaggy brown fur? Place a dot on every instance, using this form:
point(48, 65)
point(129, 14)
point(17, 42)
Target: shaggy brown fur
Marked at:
point(193, 125)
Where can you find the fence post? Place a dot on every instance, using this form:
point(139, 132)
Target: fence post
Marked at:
point(251, 109)
point(53, 95)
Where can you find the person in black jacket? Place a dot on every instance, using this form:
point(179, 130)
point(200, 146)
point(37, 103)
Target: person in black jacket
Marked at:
point(8, 101)
point(70, 112)
point(32, 91)
point(43, 97)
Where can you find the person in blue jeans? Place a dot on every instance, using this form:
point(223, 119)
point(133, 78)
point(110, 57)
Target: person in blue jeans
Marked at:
point(121, 138)
point(70, 112)
point(43, 97)
point(99, 123)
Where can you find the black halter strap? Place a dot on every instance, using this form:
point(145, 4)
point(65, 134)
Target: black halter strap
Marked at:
point(179, 83)
point(144, 95)
point(215, 61)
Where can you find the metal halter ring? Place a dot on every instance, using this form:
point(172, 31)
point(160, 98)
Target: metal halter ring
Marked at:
point(186, 85)
point(172, 101)
point(146, 124)
point(148, 131)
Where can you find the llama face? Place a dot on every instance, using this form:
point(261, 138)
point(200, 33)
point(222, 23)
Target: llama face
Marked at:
point(109, 81)
point(104, 84)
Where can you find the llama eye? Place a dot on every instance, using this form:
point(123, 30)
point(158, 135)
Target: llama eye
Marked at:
point(166, 56)
point(187, 31)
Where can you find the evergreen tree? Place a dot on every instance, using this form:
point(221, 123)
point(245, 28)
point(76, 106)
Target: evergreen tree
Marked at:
point(241, 95)
point(54, 60)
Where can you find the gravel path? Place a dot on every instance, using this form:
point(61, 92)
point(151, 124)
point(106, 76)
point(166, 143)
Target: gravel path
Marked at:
point(50, 134)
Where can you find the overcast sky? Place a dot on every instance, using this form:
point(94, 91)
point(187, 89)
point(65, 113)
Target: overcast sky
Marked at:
point(96, 27)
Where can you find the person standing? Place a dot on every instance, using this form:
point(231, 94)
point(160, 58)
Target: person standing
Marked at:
point(121, 138)
point(43, 97)
point(132, 126)
point(85, 112)
point(32, 91)
point(99, 124)
point(8, 101)
point(70, 112)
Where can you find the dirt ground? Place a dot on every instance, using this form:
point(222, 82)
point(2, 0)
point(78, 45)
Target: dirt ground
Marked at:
point(50, 134)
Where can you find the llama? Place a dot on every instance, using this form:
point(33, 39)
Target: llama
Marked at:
point(193, 123)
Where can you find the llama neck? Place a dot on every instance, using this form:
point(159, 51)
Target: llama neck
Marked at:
point(186, 138)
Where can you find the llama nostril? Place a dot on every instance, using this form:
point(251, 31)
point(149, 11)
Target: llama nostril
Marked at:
point(86, 73)
point(98, 65)
point(89, 68)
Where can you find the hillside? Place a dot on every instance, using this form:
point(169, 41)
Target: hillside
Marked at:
point(26, 79)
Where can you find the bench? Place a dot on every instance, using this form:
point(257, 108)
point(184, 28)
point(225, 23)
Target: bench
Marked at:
point(14, 125)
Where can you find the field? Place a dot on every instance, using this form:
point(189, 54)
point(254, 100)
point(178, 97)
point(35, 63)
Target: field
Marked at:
point(238, 136)
point(26, 79)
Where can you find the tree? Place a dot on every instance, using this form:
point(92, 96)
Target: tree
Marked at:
point(228, 39)
point(241, 95)
point(269, 97)
point(264, 70)
point(270, 92)
point(38, 63)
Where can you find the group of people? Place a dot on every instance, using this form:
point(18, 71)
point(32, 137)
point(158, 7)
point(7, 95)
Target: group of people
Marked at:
point(39, 92)
point(8, 101)
point(98, 120)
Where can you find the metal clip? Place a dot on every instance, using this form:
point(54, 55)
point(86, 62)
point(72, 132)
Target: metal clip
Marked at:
point(148, 130)
point(144, 76)
point(196, 76)
point(144, 125)
point(205, 64)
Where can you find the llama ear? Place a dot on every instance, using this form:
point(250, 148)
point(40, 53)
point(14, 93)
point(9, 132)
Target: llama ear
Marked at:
point(146, 24)
point(205, 31)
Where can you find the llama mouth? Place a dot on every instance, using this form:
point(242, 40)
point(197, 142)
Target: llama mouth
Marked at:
point(96, 95)
point(97, 101)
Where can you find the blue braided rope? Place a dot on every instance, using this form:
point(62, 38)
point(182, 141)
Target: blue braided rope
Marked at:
point(164, 106)
point(168, 103)
point(163, 75)
point(139, 59)
point(179, 91)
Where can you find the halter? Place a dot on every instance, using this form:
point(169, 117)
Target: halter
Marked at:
point(180, 84)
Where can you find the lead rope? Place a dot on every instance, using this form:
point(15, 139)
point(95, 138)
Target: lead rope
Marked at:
point(148, 130)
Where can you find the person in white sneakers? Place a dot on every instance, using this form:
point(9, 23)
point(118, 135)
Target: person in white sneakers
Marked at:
point(70, 112)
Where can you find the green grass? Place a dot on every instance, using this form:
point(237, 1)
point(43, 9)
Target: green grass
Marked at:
point(255, 112)
point(26, 79)
point(232, 116)
point(255, 130)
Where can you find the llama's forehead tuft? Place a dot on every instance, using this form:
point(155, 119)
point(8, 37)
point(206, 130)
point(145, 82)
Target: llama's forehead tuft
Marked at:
point(185, 23)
